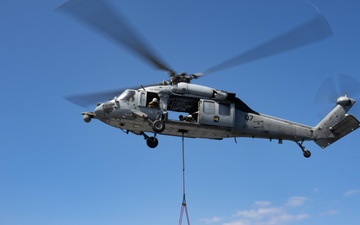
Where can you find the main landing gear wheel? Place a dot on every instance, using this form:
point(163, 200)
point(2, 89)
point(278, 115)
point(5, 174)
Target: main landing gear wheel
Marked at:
point(158, 126)
point(152, 142)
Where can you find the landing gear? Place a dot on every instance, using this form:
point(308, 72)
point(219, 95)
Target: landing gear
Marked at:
point(158, 126)
point(152, 142)
point(306, 152)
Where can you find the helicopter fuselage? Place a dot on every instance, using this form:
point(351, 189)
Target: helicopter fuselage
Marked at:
point(213, 114)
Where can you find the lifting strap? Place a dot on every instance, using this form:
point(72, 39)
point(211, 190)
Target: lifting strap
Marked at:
point(183, 204)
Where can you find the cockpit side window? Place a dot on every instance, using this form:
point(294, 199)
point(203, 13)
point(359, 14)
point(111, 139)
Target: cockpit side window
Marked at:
point(127, 96)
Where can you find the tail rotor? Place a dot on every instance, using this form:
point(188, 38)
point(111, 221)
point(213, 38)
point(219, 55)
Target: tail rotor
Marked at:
point(334, 87)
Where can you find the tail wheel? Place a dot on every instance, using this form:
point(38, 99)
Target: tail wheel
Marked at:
point(307, 153)
point(158, 126)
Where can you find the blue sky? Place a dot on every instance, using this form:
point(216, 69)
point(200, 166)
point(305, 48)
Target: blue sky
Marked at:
point(56, 169)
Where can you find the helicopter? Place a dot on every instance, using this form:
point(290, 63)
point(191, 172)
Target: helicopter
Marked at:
point(210, 113)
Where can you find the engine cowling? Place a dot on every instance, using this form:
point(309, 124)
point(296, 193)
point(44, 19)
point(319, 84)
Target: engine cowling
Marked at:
point(200, 91)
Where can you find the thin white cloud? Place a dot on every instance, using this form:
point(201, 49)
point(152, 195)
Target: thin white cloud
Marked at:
point(262, 203)
point(316, 190)
point(296, 201)
point(329, 212)
point(239, 222)
point(268, 213)
point(352, 192)
point(211, 220)
point(285, 218)
point(258, 213)
point(265, 213)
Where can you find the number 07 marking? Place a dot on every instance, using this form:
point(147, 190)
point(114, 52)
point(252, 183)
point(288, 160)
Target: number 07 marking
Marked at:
point(249, 117)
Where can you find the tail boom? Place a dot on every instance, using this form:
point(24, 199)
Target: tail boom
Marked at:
point(336, 124)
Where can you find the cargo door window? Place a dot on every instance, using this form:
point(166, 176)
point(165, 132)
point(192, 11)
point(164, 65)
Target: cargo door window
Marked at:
point(209, 107)
point(224, 109)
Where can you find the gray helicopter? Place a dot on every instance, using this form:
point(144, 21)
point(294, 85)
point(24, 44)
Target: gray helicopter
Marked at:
point(208, 112)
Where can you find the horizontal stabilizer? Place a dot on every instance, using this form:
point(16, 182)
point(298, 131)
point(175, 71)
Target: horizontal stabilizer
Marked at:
point(342, 128)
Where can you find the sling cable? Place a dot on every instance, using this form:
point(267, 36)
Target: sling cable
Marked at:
point(183, 204)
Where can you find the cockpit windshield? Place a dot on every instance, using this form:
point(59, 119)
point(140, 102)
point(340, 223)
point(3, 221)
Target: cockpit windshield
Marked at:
point(127, 96)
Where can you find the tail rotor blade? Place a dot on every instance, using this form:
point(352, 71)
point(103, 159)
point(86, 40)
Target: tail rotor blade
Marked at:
point(334, 87)
point(351, 86)
point(348, 85)
point(327, 92)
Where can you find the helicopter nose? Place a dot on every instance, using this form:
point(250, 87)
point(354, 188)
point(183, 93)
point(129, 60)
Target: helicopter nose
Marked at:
point(103, 110)
point(99, 112)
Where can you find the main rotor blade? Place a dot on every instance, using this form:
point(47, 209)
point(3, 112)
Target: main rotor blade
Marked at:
point(92, 98)
point(98, 15)
point(312, 31)
point(88, 99)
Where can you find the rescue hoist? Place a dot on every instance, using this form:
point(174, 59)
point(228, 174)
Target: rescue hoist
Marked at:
point(183, 204)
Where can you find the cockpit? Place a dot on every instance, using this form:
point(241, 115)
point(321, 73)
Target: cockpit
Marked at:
point(127, 96)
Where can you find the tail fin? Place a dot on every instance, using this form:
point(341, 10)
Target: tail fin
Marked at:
point(336, 124)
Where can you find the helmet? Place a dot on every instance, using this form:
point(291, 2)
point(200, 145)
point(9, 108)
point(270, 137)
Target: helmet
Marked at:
point(155, 100)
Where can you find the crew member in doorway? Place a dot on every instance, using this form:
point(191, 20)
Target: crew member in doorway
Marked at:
point(188, 118)
point(154, 103)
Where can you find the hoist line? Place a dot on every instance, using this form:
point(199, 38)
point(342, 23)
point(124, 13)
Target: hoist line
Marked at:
point(183, 205)
point(183, 164)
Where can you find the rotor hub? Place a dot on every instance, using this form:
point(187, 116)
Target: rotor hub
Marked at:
point(345, 101)
point(182, 77)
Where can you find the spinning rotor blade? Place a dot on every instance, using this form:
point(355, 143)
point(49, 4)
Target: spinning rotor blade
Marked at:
point(92, 98)
point(327, 92)
point(312, 31)
point(348, 85)
point(337, 86)
point(84, 100)
point(334, 87)
point(98, 15)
